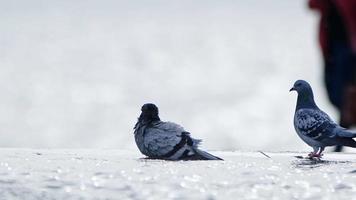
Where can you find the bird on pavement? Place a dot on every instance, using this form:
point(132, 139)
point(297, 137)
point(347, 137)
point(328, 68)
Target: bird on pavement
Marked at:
point(165, 140)
point(314, 126)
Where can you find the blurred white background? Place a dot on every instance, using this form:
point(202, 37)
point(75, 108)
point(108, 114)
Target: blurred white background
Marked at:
point(74, 74)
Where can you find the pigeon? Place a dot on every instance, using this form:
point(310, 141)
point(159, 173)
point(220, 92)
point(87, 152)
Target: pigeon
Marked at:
point(314, 126)
point(165, 140)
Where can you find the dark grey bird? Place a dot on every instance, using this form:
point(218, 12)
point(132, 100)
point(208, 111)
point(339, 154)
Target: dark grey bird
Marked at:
point(314, 126)
point(165, 140)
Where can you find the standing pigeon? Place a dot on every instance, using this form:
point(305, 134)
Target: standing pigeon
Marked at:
point(165, 140)
point(314, 126)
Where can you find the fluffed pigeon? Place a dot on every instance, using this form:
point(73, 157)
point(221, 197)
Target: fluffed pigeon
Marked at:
point(165, 140)
point(314, 126)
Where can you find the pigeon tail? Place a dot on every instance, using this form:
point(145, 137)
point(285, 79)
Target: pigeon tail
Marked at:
point(346, 133)
point(198, 154)
point(202, 155)
point(349, 142)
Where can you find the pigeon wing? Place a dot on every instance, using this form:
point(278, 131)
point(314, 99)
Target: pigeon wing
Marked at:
point(162, 137)
point(315, 124)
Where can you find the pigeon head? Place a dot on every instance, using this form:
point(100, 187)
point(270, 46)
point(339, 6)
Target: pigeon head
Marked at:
point(305, 94)
point(301, 86)
point(149, 113)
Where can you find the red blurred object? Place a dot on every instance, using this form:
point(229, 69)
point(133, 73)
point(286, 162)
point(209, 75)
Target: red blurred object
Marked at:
point(348, 112)
point(347, 9)
point(337, 39)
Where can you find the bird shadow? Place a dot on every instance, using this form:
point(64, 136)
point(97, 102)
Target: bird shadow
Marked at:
point(186, 159)
point(311, 163)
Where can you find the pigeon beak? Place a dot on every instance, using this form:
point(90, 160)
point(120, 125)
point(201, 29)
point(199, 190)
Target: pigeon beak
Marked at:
point(292, 89)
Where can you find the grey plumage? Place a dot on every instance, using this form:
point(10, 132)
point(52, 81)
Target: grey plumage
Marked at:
point(314, 126)
point(166, 140)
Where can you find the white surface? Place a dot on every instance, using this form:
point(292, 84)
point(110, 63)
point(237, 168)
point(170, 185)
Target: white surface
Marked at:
point(74, 74)
point(111, 174)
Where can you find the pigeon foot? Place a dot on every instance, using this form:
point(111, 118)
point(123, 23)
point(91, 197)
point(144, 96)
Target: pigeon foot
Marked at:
point(312, 155)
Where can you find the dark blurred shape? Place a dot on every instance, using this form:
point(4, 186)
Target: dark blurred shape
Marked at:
point(337, 38)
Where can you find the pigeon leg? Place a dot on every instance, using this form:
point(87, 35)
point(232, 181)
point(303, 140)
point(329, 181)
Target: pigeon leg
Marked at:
point(314, 153)
point(319, 153)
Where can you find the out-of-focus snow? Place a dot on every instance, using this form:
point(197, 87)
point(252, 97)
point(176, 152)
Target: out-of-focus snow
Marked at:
point(75, 73)
point(110, 174)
